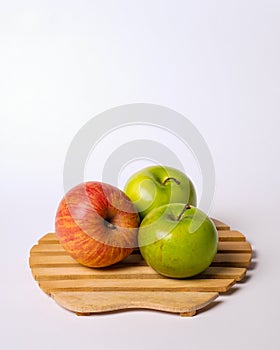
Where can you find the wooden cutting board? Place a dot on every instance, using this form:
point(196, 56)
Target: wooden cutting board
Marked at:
point(131, 284)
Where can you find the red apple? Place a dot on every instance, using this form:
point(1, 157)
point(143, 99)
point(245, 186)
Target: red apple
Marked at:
point(97, 224)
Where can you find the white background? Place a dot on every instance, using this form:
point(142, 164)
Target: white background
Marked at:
point(216, 62)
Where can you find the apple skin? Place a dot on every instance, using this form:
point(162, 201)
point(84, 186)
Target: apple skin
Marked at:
point(178, 248)
point(97, 224)
point(150, 188)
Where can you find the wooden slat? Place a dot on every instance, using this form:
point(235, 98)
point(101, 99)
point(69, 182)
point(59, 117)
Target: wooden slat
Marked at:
point(234, 260)
point(48, 249)
point(46, 260)
point(227, 259)
point(126, 271)
point(234, 247)
point(81, 272)
point(224, 235)
point(52, 261)
point(237, 273)
point(220, 225)
point(185, 303)
point(42, 273)
point(49, 238)
point(223, 247)
point(230, 236)
point(164, 284)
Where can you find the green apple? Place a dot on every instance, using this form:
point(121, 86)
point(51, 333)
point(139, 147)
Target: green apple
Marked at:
point(155, 186)
point(178, 240)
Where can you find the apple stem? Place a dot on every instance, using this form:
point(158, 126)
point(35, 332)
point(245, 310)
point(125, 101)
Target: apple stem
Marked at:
point(171, 178)
point(186, 207)
point(110, 226)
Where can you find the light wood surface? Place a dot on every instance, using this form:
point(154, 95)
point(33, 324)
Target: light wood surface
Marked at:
point(184, 303)
point(223, 247)
point(132, 283)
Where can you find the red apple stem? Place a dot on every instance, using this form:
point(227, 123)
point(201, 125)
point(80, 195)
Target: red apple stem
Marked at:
point(186, 207)
point(111, 226)
point(171, 178)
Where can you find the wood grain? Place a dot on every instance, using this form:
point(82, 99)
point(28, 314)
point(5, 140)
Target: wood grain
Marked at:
point(52, 267)
point(131, 283)
point(224, 235)
point(86, 303)
point(221, 226)
point(223, 247)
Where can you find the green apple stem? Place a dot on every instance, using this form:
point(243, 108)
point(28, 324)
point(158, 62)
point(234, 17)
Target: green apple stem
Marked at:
point(186, 207)
point(171, 178)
